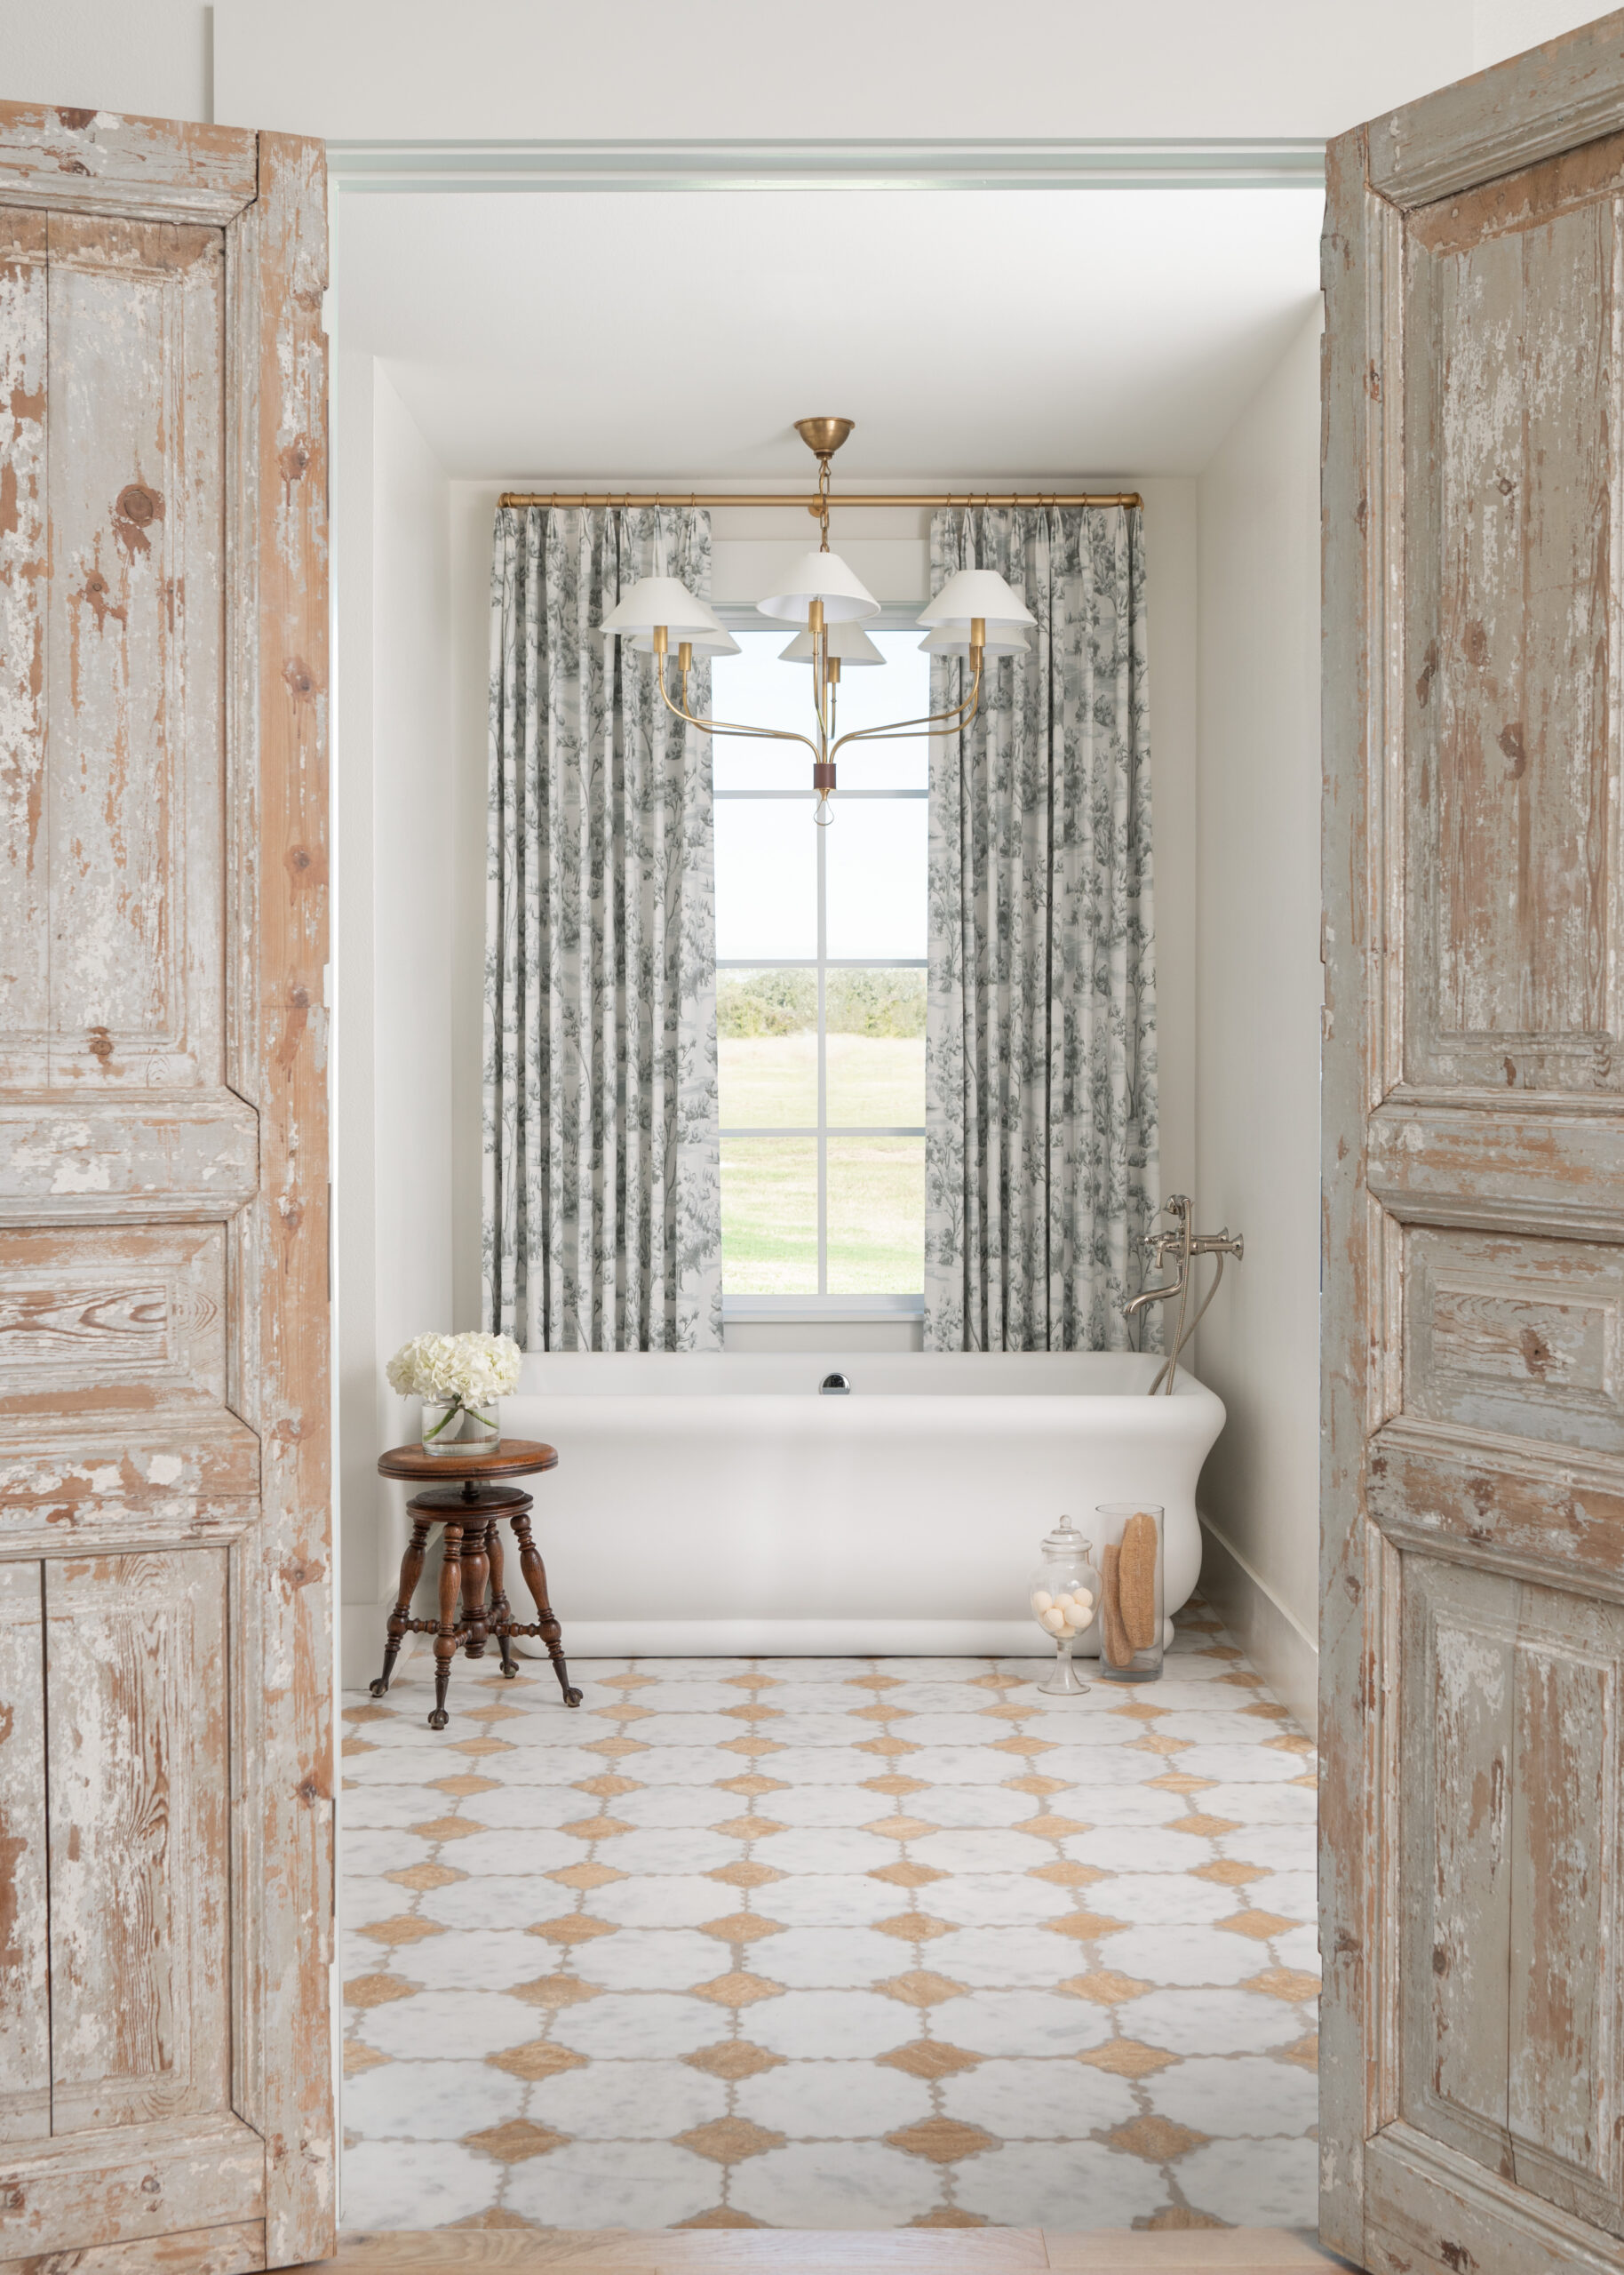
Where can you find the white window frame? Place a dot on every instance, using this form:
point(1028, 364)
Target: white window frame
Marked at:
point(822, 1308)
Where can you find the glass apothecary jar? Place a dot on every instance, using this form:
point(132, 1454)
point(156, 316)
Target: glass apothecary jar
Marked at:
point(1132, 1590)
point(451, 1427)
point(1064, 1592)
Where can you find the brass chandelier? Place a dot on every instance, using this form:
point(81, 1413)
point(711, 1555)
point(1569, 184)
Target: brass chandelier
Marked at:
point(975, 614)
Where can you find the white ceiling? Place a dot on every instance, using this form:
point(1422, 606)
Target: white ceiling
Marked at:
point(973, 335)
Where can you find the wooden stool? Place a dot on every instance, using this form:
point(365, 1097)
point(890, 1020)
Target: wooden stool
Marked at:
point(471, 1508)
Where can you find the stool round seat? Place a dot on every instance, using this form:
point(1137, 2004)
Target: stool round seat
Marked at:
point(461, 1490)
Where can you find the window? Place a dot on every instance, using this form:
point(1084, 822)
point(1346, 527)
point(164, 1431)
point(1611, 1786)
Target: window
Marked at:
point(820, 988)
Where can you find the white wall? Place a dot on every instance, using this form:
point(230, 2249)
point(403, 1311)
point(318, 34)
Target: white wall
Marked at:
point(1258, 998)
point(395, 999)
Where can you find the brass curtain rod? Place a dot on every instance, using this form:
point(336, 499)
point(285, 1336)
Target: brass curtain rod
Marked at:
point(567, 498)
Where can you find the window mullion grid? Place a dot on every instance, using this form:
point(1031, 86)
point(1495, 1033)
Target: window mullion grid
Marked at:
point(823, 1063)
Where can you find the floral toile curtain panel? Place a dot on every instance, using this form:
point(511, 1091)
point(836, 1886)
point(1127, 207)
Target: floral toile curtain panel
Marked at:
point(602, 1221)
point(1040, 1114)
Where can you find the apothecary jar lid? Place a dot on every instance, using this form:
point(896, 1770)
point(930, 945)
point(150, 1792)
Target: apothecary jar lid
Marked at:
point(1064, 1541)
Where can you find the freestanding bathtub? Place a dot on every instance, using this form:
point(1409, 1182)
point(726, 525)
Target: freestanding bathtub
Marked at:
point(718, 1504)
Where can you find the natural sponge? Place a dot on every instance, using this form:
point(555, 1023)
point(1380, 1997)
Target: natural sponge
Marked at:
point(1137, 1581)
point(1118, 1650)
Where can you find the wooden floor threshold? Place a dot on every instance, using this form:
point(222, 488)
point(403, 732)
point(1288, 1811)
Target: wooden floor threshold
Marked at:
point(776, 2251)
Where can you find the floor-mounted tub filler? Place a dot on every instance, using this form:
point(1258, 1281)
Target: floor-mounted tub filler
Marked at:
point(719, 1503)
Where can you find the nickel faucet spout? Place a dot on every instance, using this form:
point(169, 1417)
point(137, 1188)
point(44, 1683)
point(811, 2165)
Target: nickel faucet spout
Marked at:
point(1186, 1246)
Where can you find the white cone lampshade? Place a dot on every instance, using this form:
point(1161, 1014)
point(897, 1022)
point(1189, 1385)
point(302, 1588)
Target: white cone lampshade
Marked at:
point(976, 593)
point(821, 577)
point(718, 642)
point(661, 600)
point(1002, 640)
point(848, 642)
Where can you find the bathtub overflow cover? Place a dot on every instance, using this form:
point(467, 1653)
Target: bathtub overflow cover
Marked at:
point(835, 1387)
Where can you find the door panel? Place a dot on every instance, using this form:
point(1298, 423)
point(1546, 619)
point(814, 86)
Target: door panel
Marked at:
point(166, 1569)
point(1472, 1883)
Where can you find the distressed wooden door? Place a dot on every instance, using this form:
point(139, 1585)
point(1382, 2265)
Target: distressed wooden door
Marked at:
point(1472, 1696)
point(166, 1776)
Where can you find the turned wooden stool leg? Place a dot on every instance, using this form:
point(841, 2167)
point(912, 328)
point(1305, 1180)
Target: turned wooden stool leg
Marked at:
point(475, 1572)
point(501, 1610)
point(411, 1572)
point(445, 1640)
point(536, 1581)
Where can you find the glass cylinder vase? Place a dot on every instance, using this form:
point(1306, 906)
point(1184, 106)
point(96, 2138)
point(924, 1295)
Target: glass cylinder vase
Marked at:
point(1132, 1590)
point(450, 1427)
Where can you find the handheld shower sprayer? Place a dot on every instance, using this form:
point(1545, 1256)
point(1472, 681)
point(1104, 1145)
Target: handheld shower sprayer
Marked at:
point(1184, 1245)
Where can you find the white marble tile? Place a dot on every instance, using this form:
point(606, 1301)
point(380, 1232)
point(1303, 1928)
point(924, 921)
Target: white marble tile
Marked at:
point(1294, 1896)
point(474, 1959)
point(824, 1900)
point(1187, 1955)
point(677, 1728)
point(823, 2025)
point(1142, 1848)
point(386, 2188)
point(628, 2100)
point(833, 2101)
point(1263, 1802)
point(652, 2027)
point(1236, 2095)
point(508, 1850)
point(1087, 1770)
point(813, 1765)
point(996, 1900)
point(665, 1848)
point(971, 1806)
point(1162, 1899)
point(1251, 1765)
point(1277, 1847)
point(368, 1855)
point(495, 1900)
point(475, 2023)
point(1075, 2186)
point(972, 1849)
point(960, 1766)
point(1099, 1804)
point(1018, 2022)
point(833, 1959)
point(967, 1728)
point(532, 1808)
point(1196, 2021)
point(1299, 1947)
point(661, 1900)
point(1009, 1958)
point(836, 2184)
point(1052, 2100)
point(828, 1848)
point(429, 2101)
point(832, 1727)
point(1273, 2184)
point(652, 1959)
point(822, 1805)
point(600, 2184)
point(674, 1808)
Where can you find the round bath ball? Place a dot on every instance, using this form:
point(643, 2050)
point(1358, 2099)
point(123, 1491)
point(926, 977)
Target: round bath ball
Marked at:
point(1054, 1619)
point(1084, 1601)
point(1041, 1601)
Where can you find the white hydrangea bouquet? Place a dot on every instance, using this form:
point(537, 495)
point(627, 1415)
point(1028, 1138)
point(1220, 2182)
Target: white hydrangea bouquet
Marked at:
point(460, 1378)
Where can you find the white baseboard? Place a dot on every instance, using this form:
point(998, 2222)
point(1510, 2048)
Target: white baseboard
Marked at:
point(1287, 1659)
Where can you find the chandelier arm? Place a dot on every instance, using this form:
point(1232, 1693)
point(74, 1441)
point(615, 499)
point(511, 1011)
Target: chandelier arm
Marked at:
point(721, 727)
point(911, 730)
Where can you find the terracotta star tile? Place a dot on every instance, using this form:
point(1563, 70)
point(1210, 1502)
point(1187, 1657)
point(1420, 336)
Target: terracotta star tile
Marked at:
point(1289, 1741)
point(912, 1928)
point(378, 1989)
point(746, 1873)
point(499, 1711)
point(1219, 1651)
point(1203, 1828)
point(459, 1788)
point(879, 1712)
point(874, 1682)
point(1008, 1710)
point(997, 1681)
point(513, 2142)
point(1304, 2052)
point(733, 2058)
point(1156, 2139)
point(553, 1991)
point(1312, 1781)
point(943, 2139)
point(1040, 1786)
point(1243, 1678)
point(1022, 1744)
point(406, 1929)
point(895, 1785)
point(1048, 1827)
point(1103, 1988)
point(446, 1828)
point(596, 1828)
point(929, 2058)
point(949, 2215)
point(725, 2139)
point(535, 2060)
point(1288, 1982)
point(629, 1681)
point(425, 1876)
point(753, 1710)
point(608, 1786)
point(1138, 1710)
point(369, 1713)
point(920, 1988)
point(495, 2217)
point(578, 1927)
point(742, 1927)
point(900, 1828)
point(752, 1746)
point(476, 1747)
point(906, 1874)
point(1152, 1744)
point(888, 1748)
point(1085, 1927)
point(358, 2057)
point(584, 1876)
point(356, 1745)
point(738, 1988)
point(1125, 2058)
point(722, 2216)
point(752, 1785)
point(615, 1749)
point(748, 1828)
point(1268, 1710)
point(1227, 1873)
point(751, 1681)
point(1067, 1875)
point(1179, 1780)
point(1179, 2217)
point(625, 1709)
point(1261, 1925)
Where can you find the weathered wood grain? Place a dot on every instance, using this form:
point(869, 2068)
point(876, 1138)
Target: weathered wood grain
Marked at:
point(126, 1318)
point(277, 921)
point(25, 2007)
point(82, 1463)
point(137, 1720)
point(1434, 2212)
point(1480, 1161)
point(135, 1159)
point(24, 922)
point(130, 2184)
point(103, 161)
point(234, 2250)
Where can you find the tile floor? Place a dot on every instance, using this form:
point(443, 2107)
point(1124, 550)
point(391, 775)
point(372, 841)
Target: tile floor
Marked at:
point(830, 1943)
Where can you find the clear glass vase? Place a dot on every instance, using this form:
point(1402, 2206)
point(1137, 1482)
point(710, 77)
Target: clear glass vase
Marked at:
point(450, 1427)
point(1064, 1592)
point(1133, 1592)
